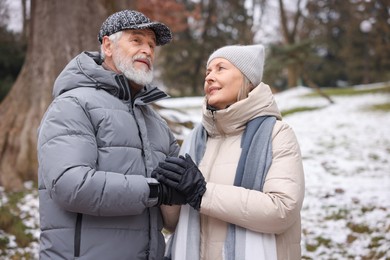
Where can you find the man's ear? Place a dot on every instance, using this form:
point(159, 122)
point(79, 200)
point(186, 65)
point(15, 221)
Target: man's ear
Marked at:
point(107, 45)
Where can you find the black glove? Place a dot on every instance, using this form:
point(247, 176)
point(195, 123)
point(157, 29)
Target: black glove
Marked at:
point(165, 194)
point(182, 174)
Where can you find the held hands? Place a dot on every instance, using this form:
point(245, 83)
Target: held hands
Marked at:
point(182, 174)
point(169, 196)
point(166, 195)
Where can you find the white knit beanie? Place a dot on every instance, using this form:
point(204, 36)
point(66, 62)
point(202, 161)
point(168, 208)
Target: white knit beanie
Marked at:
point(249, 59)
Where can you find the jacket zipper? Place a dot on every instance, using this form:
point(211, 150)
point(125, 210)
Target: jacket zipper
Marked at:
point(216, 124)
point(132, 108)
point(77, 235)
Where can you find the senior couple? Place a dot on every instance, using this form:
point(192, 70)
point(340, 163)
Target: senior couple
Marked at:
point(112, 176)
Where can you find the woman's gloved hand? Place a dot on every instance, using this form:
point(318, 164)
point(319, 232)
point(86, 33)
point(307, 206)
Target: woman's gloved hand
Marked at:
point(182, 174)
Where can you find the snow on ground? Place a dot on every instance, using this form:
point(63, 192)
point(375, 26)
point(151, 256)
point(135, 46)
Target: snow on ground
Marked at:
point(346, 151)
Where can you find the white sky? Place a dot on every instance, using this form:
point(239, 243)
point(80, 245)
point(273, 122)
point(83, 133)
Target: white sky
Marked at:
point(15, 15)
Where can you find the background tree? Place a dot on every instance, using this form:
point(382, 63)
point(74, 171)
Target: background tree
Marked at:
point(170, 12)
point(209, 25)
point(58, 31)
point(283, 66)
point(291, 47)
point(4, 13)
point(327, 34)
point(12, 49)
point(290, 25)
point(345, 42)
point(25, 18)
point(351, 40)
point(366, 49)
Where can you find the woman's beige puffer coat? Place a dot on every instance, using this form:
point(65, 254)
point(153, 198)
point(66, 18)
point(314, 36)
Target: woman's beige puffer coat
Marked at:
point(276, 210)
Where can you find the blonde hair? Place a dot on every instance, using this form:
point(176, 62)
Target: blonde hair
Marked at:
point(245, 88)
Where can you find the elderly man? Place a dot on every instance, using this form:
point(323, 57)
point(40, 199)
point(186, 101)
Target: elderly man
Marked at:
point(98, 144)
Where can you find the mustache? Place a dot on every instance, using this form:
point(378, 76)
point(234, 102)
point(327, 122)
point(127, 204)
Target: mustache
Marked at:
point(143, 58)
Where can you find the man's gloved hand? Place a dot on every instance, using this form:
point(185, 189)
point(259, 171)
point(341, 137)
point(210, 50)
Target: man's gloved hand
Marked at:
point(166, 195)
point(182, 174)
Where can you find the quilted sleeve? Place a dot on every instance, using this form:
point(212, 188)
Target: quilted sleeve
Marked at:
point(67, 154)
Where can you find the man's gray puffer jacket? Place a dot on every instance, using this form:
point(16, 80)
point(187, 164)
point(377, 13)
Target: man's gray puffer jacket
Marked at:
point(96, 151)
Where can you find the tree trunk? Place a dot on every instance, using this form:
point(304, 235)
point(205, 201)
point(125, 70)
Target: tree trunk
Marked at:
point(59, 30)
point(292, 75)
point(24, 20)
point(290, 38)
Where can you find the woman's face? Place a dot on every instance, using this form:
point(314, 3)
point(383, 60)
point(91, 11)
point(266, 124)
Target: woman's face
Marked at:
point(222, 83)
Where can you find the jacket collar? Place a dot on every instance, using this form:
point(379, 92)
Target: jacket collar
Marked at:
point(86, 70)
point(234, 119)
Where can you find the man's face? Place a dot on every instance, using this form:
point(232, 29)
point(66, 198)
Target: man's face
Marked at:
point(133, 55)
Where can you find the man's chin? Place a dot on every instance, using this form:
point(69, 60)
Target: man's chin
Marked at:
point(140, 80)
point(142, 68)
point(139, 75)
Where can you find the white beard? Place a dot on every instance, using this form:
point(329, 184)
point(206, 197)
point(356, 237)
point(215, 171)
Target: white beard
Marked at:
point(138, 76)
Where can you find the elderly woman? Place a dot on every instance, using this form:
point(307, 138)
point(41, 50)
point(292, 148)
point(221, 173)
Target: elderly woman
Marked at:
point(242, 171)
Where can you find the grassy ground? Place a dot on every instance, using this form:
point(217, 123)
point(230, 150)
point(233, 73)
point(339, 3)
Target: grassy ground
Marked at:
point(334, 92)
point(19, 224)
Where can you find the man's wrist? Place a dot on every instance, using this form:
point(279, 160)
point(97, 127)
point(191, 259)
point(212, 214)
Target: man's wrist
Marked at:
point(154, 190)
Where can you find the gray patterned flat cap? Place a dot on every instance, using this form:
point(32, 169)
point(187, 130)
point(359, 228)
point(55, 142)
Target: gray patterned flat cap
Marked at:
point(129, 19)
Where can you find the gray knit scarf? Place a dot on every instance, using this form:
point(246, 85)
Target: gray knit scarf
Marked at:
point(256, 144)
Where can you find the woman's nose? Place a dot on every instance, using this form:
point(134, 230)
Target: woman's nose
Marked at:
point(209, 78)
